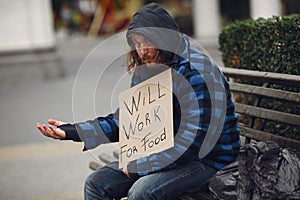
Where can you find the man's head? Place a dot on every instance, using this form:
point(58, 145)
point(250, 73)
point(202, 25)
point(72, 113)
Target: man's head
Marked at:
point(153, 36)
point(146, 51)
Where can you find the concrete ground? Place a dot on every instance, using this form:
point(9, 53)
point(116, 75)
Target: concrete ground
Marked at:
point(37, 86)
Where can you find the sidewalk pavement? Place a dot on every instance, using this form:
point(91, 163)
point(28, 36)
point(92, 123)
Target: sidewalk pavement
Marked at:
point(33, 88)
point(47, 170)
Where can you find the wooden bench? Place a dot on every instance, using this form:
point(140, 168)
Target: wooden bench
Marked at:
point(257, 116)
point(283, 98)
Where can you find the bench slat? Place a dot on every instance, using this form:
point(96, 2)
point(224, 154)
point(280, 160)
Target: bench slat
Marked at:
point(263, 113)
point(264, 136)
point(277, 78)
point(266, 92)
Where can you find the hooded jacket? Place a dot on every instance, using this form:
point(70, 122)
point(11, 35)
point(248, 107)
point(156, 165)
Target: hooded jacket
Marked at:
point(197, 103)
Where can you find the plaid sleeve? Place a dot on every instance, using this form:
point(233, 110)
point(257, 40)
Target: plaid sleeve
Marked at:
point(99, 131)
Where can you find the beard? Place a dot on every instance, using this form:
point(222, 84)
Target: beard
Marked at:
point(154, 60)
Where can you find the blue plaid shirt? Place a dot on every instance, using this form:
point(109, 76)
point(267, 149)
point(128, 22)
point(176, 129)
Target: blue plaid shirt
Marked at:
point(192, 108)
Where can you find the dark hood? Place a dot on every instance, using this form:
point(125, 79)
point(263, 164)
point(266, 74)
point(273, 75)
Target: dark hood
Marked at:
point(156, 24)
point(152, 15)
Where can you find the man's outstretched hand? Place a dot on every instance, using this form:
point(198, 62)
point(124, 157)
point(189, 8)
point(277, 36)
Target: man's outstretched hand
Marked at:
point(51, 130)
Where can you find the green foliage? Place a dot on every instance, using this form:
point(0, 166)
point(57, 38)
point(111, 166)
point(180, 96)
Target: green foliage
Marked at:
point(271, 45)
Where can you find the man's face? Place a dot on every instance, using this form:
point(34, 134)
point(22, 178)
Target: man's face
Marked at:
point(145, 50)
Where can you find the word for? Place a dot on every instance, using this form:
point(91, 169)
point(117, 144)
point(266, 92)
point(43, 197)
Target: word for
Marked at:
point(146, 144)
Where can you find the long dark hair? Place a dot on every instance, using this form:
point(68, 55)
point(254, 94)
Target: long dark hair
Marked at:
point(133, 60)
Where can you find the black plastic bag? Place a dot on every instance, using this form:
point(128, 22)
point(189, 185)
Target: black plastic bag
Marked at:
point(263, 170)
point(267, 171)
point(223, 184)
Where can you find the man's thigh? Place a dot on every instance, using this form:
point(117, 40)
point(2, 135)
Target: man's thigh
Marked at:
point(111, 181)
point(173, 183)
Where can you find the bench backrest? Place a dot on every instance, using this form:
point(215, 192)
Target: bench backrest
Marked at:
point(255, 112)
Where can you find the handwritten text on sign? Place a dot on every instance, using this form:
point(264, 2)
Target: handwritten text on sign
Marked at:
point(146, 118)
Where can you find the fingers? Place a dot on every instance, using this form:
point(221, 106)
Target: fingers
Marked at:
point(125, 171)
point(43, 129)
point(55, 133)
point(50, 131)
point(55, 122)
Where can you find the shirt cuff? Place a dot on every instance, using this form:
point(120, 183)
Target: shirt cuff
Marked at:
point(132, 170)
point(71, 132)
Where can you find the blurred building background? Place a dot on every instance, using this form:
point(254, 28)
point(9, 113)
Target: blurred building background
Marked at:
point(199, 18)
point(32, 24)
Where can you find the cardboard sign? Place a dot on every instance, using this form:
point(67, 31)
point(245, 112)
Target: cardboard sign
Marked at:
point(146, 118)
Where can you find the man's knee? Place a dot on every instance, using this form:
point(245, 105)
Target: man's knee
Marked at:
point(92, 190)
point(89, 182)
point(141, 191)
